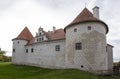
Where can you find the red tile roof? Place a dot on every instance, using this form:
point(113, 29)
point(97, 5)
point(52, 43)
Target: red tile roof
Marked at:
point(25, 35)
point(85, 16)
point(58, 34)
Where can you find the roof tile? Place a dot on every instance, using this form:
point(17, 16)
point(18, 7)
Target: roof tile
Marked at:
point(26, 35)
point(85, 16)
point(58, 34)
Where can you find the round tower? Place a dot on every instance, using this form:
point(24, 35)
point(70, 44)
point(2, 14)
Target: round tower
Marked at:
point(86, 43)
point(18, 54)
point(24, 38)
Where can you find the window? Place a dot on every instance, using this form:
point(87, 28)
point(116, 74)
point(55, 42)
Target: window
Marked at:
point(42, 38)
point(82, 66)
point(106, 48)
point(32, 50)
point(13, 50)
point(75, 30)
point(26, 50)
point(18, 42)
point(57, 47)
point(78, 46)
point(89, 27)
point(40, 33)
point(37, 40)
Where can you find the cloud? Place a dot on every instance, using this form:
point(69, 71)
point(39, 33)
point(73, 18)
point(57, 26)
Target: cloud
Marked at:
point(5, 4)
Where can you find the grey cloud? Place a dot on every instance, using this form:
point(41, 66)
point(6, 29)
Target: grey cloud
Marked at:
point(4, 4)
point(57, 4)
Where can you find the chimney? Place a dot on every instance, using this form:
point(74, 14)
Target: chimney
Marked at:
point(96, 12)
point(54, 28)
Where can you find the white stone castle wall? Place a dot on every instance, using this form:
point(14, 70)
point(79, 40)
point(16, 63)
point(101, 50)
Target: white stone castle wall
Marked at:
point(93, 55)
point(19, 54)
point(45, 55)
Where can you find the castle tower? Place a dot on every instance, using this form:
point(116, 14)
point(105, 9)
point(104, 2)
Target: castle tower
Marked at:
point(86, 43)
point(18, 55)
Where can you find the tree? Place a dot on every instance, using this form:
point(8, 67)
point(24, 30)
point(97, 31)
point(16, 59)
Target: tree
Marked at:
point(2, 55)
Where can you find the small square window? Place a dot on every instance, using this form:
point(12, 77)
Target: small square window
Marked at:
point(13, 50)
point(26, 50)
point(57, 47)
point(75, 30)
point(89, 27)
point(37, 40)
point(18, 42)
point(78, 46)
point(32, 50)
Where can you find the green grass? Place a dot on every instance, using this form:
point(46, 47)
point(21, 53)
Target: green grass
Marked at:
point(9, 71)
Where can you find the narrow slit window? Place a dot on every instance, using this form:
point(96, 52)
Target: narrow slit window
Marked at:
point(26, 50)
point(32, 50)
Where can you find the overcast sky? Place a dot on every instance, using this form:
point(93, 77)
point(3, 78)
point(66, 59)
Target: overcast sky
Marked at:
point(16, 14)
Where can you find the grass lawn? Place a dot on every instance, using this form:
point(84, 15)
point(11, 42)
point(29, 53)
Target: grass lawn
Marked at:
point(9, 71)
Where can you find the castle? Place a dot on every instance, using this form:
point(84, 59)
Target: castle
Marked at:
point(80, 45)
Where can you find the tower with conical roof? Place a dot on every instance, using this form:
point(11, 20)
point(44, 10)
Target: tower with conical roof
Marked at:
point(18, 55)
point(86, 43)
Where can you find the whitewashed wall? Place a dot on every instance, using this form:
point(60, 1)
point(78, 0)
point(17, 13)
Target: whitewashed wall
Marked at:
point(93, 56)
point(19, 54)
point(45, 55)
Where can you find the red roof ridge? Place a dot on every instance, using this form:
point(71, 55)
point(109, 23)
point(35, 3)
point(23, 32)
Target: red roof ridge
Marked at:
point(25, 35)
point(85, 16)
point(58, 34)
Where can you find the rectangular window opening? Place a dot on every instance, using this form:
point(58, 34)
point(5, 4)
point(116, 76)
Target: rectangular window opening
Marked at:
point(78, 46)
point(89, 27)
point(13, 50)
point(32, 50)
point(26, 50)
point(57, 48)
